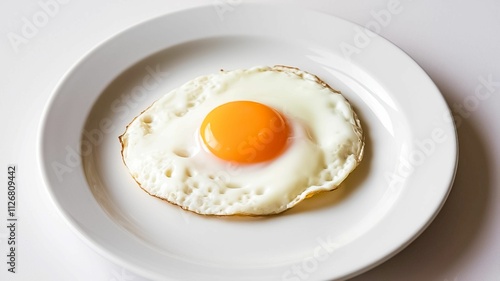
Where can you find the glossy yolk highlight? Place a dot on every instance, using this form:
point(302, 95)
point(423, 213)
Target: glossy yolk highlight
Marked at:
point(244, 132)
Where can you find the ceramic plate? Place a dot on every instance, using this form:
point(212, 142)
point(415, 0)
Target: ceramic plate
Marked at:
point(406, 174)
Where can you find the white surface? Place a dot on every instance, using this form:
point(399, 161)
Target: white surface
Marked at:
point(455, 43)
point(159, 240)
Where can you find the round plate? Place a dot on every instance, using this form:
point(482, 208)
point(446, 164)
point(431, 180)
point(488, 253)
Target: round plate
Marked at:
point(402, 182)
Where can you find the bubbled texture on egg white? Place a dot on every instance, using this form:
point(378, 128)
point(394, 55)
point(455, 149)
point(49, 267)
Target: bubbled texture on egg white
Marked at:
point(163, 151)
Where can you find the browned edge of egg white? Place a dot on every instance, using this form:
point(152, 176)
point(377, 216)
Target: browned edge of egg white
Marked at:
point(277, 68)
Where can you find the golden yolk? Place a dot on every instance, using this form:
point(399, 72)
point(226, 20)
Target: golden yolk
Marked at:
point(244, 132)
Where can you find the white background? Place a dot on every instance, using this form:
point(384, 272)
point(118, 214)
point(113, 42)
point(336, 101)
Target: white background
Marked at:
point(455, 42)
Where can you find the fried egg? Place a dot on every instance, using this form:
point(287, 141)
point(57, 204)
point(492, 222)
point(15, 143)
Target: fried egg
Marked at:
point(244, 142)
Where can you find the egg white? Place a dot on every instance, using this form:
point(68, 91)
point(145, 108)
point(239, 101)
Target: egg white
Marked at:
point(162, 149)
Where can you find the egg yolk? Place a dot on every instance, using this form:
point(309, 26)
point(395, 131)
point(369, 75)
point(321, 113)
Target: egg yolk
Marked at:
point(244, 132)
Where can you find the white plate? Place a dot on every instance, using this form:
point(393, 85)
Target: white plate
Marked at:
point(409, 165)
